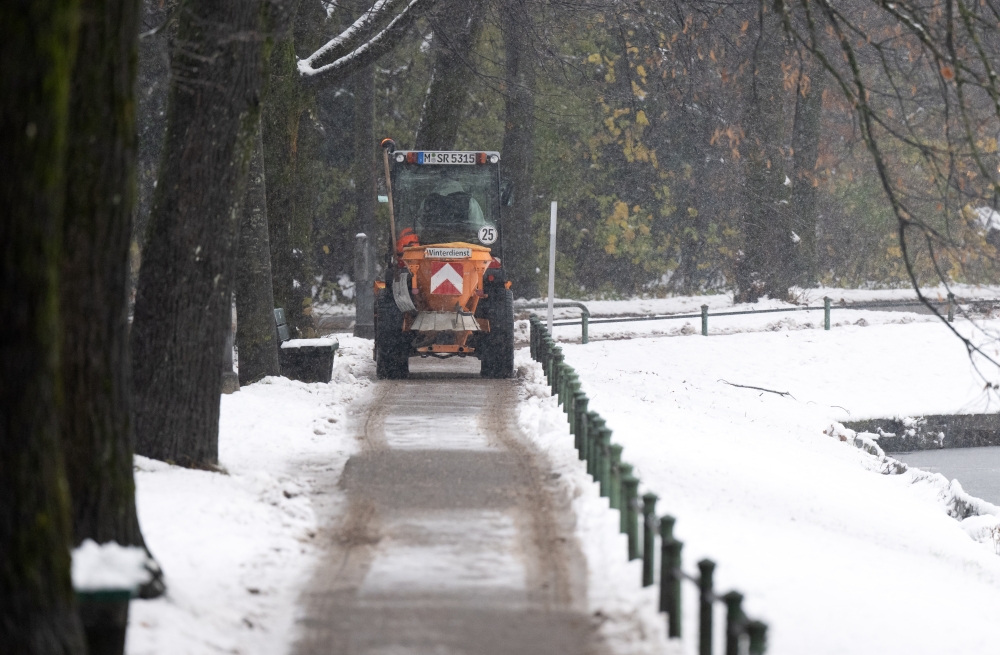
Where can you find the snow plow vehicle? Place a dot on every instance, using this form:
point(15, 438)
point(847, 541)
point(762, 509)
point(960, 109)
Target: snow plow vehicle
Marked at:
point(445, 292)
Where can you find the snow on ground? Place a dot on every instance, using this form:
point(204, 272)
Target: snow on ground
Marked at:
point(835, 556)
point(236, 545)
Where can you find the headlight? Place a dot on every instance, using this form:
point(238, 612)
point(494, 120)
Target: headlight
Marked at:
point(494, 159)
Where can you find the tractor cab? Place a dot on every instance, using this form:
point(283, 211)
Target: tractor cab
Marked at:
point(445, 292)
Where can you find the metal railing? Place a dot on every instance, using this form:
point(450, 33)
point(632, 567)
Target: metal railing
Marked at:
point(586, 321)
point(584, 313)
point(592, 439)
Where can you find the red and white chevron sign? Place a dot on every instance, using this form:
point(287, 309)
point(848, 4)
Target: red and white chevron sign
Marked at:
point(446, 278)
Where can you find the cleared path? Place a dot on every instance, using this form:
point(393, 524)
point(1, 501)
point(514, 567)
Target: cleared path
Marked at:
point(453, 541)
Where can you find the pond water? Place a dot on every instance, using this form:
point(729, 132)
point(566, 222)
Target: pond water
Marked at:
point(977, 469)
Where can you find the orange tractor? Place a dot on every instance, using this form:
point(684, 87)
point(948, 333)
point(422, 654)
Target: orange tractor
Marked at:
point(445, 292)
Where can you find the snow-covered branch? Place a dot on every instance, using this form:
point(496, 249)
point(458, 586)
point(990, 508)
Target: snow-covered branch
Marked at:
point(349, 48)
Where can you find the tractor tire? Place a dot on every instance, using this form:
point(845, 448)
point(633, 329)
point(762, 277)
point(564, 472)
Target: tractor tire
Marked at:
point(497, 359)
point(392, 345)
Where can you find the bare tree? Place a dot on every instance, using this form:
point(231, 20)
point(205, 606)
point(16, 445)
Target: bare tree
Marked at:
point(921, 78)
point(803, 203)
point(765, 267)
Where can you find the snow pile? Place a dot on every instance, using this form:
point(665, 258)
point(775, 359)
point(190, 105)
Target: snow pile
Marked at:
point(628, 614)
point(979, 519)
point(308, 343)
point(835, 547)
point(863, 440)
point(109, 566)
point(235, 545)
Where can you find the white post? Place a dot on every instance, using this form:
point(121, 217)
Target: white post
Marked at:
point(552, 262)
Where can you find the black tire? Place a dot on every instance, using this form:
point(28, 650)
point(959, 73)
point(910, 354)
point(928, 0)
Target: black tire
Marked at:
point(497, 358)
point(392, 345)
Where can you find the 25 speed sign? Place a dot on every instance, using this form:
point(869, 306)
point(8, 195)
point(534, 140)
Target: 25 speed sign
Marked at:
point(487, 234)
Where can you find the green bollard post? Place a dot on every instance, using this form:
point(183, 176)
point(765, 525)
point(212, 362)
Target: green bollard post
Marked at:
point(572, 412)
point(615, 479)
point(826, 313)
point(734, 621)
point(951, 308)
point(707, 599)
point(597, 451)
point(704, 320)
point(585, 323)
point(561, 386)
point(594, 437)
point(533, 336)
point(581, 423)
point(567, 386)
point(557, 361)
point(758, 637)
point(648, 538)
point(549, 357)
point(565, 371)
point(670, 564)
point(631, 484)
point(571, 386)
point(579, 399)
point(625, 472)
point(604, 461)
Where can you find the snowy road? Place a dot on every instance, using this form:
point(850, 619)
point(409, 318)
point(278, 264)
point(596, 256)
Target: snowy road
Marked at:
point(454, 540)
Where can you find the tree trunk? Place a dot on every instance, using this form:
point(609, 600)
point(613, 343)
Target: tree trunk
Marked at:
point(766, 265)
point(805, 149)
point(692, 191)
point(517, 152)
point(256, 337)
point(451, 76)
point(365, 147)
point(288, 239)
point(100, 195)
point(151, 101)
point(37, 612)
point(182, 306)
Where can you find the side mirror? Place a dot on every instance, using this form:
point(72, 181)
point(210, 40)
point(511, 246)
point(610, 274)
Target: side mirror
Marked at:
point(506, 193)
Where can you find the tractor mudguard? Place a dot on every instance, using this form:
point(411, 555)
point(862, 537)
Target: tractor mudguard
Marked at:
point(401, 292)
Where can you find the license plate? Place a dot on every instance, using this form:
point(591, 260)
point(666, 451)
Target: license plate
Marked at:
point(449, 157)
point(448, 253)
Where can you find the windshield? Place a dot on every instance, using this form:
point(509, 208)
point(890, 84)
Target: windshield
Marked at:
point(447, 203)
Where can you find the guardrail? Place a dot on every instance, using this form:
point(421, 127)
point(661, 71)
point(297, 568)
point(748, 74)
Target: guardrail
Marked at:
point(592, 439)
point(586, 321)
point(584, 312)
